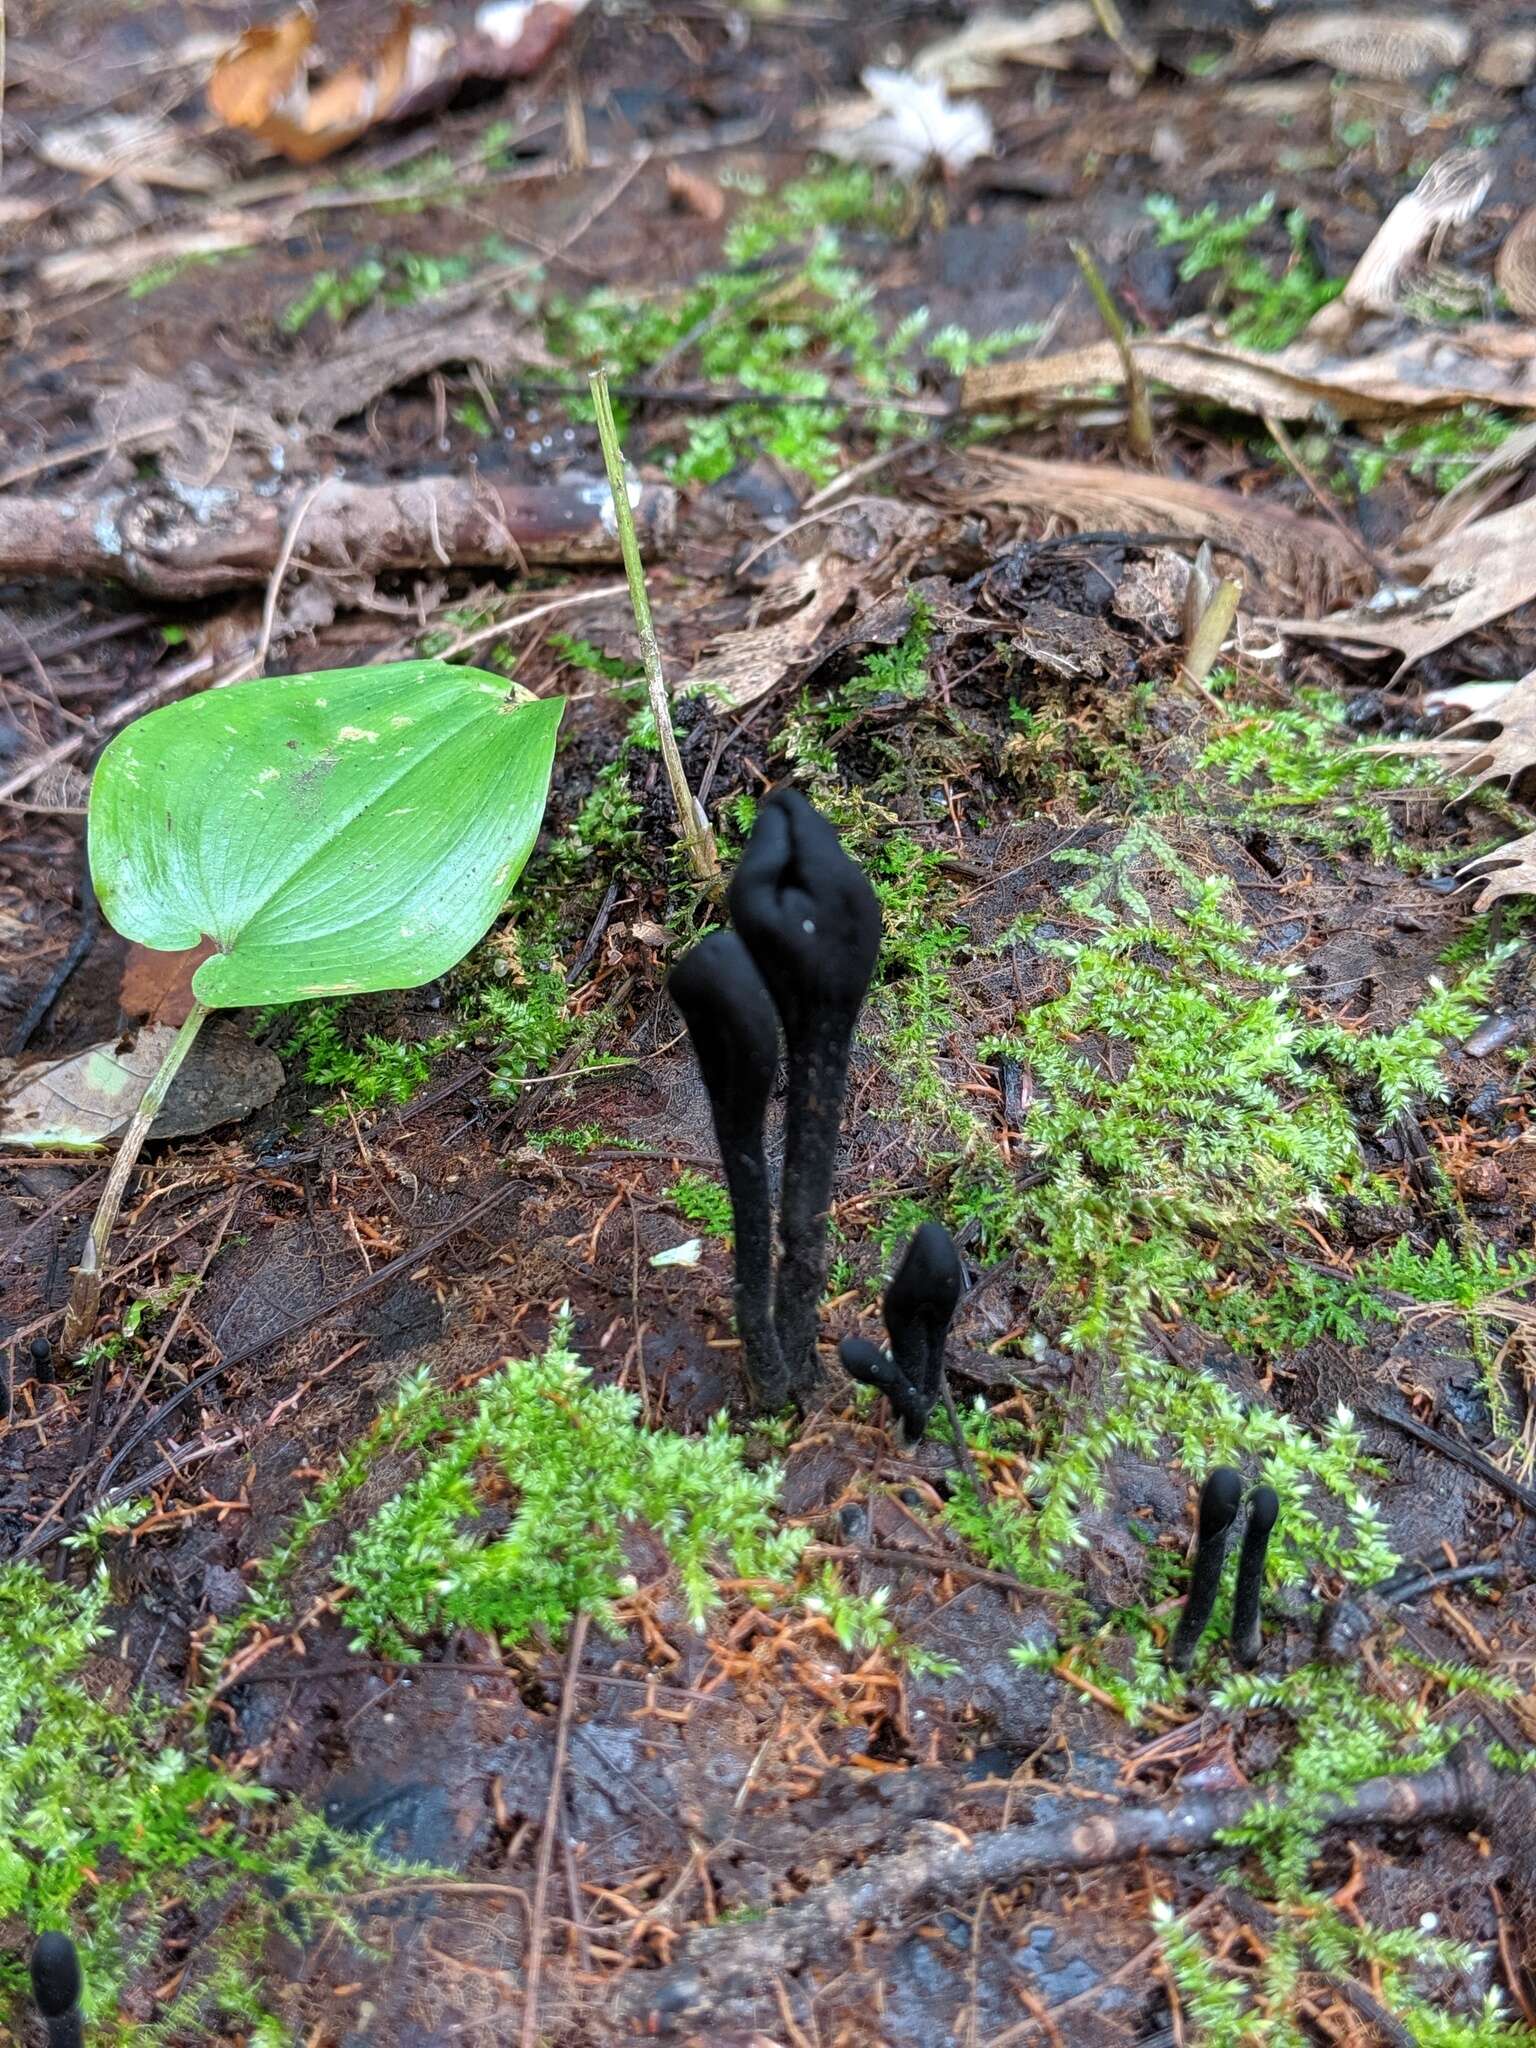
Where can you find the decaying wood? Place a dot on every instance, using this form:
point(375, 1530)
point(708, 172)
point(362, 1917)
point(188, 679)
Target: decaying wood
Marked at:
point(174, 542)
point(719, 1966)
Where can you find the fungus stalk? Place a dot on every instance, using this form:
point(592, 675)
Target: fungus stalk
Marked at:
point(55, 1969)
point(1220, 1498)
point(85, 1294)
point(1247, 1627)
point(730, 1019)
point(809, 918)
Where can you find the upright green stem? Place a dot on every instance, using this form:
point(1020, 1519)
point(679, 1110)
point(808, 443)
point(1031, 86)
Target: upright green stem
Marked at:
point(1138, 406)
point(85, 1295)
point(692, 825)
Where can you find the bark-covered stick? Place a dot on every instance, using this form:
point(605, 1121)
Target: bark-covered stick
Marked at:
point(184, 544)
point(722, 1965)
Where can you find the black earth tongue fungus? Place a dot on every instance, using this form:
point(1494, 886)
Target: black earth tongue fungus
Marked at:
point(1220, 1498)
point(730, 1017)
point(919, 1307)
point(869, 1365)
point(55, 1971)
point(42, 1361)
point(1247, 1629)
point(809, 918)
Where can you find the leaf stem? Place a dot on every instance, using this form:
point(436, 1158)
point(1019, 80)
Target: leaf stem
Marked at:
point(85, 1295)
point(693, 826)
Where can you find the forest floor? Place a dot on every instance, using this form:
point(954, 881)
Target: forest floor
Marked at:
point(344, 1667)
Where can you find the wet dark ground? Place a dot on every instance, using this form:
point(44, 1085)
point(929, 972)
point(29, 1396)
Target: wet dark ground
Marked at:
point(706, 1775)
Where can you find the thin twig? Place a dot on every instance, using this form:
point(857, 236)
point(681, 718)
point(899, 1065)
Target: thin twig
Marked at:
point(120, 714)
point(529, 2033)
point(692, 825)
point(301, 512)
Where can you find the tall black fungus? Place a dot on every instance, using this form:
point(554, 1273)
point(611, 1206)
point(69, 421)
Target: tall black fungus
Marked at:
point(809, 918)
point(56, 1989)
point(1220, 1498)
point(919, 1307)
point(729, 1014)
point(1247, 1629)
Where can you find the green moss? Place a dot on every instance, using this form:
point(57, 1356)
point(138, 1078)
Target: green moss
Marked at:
point(114, 1826)
point(515, 1521)
point(1443, 451)
point(699, 1199)
point(377, 1071)
point(1262, 308)
point(788, 319)
point(1298, 770)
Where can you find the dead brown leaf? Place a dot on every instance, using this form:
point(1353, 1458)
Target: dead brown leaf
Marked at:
point(1504, 746)
point(1449, 193)
point(81, 1102)
point(1481, 572)
point(1303, 557)
point(142, 148)
point(156, 988)
point(1422, 372)
point(1507, 61)
point(740, 667)
point(977, 55)
point(1389, 46)
point(1478, 491)
point(1511, 871)
point(1515, 270)
point(262, 86)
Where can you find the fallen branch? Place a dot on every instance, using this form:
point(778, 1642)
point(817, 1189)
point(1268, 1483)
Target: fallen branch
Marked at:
point(721, 1965)
point(183, 544)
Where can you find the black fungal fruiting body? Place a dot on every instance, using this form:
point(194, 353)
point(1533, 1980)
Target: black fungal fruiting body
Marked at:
point(55, 1969)
point(42, 1360)
point(729, 1013)
point(870, 1366)
point(1220, 1498)
point(809, 918)
point(919, 1307)
point(1247, 1628)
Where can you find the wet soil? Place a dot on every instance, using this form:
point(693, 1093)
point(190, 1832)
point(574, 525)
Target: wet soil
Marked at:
point(713, 1775)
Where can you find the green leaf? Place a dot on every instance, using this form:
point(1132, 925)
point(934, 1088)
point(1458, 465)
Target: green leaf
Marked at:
point(332, 834)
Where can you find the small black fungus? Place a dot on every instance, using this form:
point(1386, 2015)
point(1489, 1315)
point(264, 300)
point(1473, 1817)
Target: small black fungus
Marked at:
point(920, 1305)
point(1247, 1631)
point(42, 1361)
point(1220, 1498)
point(730, 1018)
point(809, 918)
point(869, 1365)
point(55, 1969)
